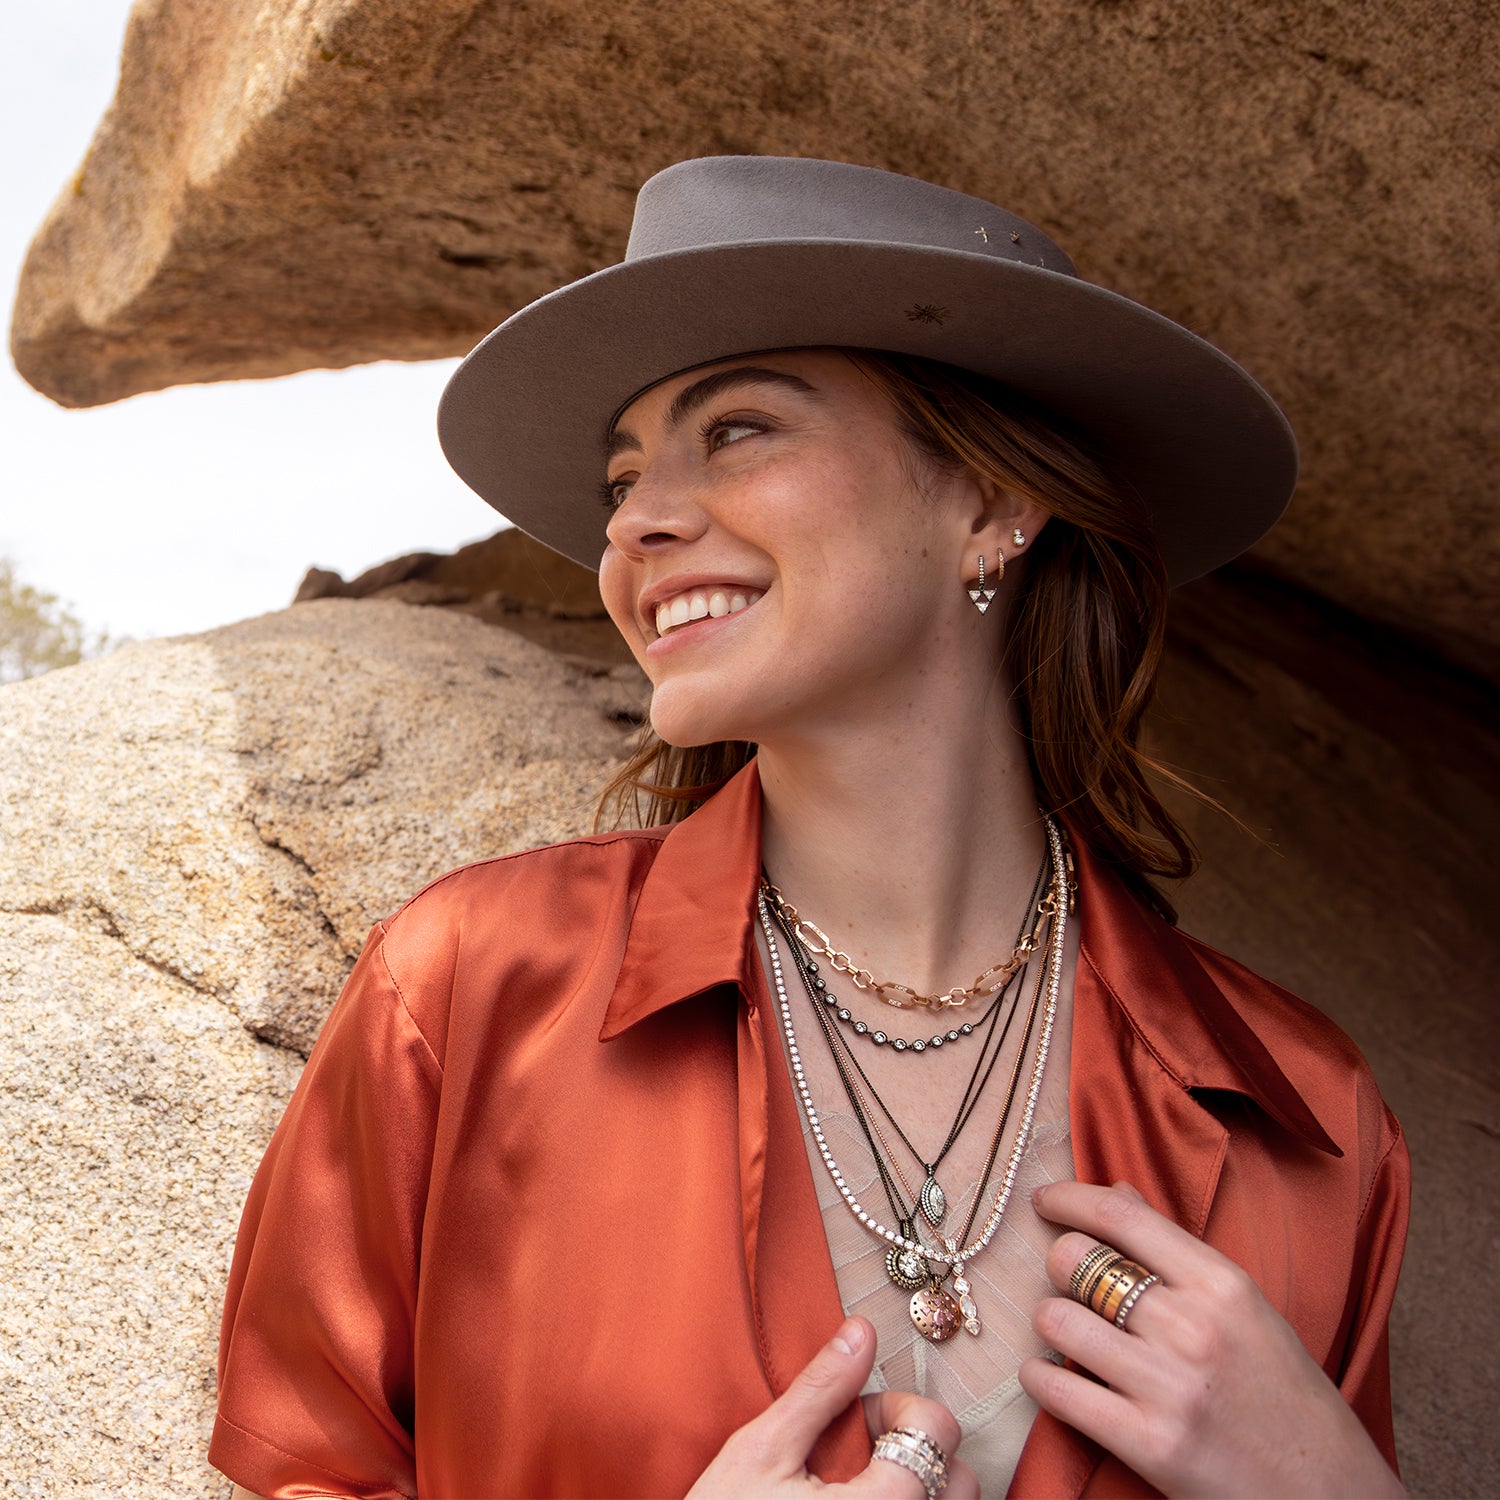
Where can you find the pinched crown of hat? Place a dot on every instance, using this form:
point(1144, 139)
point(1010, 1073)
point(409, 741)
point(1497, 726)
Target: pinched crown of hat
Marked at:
point(736, 255)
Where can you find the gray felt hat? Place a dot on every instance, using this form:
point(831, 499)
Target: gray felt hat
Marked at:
point(735, 255)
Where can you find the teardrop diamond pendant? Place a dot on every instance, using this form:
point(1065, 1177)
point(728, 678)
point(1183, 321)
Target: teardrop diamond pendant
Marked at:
point(966, 1304)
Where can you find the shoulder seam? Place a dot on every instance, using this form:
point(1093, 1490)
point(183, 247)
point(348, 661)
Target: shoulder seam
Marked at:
point(400, 995)
point(596, 841)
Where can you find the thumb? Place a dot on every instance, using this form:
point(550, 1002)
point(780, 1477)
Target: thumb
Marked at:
point(826, 1385)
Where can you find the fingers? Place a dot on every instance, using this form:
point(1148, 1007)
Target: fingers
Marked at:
point(1120, 1217)
point(783, 1434)
point(888, 1409)
point(1095, 1410)
point(1120, 1359)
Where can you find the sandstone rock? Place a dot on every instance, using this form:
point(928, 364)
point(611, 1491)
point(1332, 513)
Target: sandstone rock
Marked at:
point(321, 182)
point(509, 565)
point(197, 835)
point(1366, 777)
point(506, 579)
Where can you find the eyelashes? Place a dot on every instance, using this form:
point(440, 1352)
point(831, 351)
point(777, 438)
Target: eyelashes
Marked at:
point(608, 493)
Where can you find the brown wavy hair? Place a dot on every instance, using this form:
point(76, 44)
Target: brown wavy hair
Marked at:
point(1084, 641)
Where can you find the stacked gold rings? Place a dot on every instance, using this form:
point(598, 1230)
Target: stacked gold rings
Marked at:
point(914, 1450)
point(1108, 1284)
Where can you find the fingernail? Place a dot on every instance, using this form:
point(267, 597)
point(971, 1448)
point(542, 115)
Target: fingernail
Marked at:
point(850, 1339)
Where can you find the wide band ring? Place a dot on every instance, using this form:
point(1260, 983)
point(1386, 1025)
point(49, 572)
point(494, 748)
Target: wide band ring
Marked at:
point(1087, 1267)
point(914, 1450)
point(1109, 1284)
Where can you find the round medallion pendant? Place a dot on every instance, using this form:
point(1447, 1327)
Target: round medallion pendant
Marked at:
point(935, 1314)
point(907, 1268)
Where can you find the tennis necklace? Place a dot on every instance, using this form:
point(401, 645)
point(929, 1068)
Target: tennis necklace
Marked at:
point(936, 1313)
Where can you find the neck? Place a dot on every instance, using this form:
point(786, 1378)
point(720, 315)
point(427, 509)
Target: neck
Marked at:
point(916, 855)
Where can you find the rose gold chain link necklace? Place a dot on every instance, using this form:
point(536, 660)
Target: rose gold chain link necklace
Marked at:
point(902, 996)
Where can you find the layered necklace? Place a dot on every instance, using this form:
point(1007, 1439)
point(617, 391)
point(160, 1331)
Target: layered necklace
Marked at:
point(914, 1264)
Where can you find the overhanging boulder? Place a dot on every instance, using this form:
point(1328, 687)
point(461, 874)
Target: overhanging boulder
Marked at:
point(322, 182)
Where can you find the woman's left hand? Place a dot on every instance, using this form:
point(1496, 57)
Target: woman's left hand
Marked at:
point(1209, 1391)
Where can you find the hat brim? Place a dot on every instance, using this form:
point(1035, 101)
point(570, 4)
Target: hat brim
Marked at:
point(524, 419)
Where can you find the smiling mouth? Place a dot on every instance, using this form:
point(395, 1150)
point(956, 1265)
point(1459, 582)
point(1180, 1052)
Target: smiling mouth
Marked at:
point(702, 604)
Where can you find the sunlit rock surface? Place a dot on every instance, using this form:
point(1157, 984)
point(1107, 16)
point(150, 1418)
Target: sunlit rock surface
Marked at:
point(197, 836)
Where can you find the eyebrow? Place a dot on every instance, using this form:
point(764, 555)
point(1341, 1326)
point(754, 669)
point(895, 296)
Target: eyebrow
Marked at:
point(700, 392)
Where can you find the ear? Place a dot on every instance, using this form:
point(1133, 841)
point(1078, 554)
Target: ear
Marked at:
point(994, 518)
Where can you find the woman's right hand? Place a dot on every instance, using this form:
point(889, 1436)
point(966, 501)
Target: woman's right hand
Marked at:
point(768, 1456)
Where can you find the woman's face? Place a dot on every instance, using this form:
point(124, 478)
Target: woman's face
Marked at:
point(780, 558)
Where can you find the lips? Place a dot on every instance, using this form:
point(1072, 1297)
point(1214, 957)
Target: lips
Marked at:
point(709, 602)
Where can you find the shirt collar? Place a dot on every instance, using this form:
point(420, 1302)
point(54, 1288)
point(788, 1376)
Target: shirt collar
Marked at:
point(693, 928)
point(693, 931)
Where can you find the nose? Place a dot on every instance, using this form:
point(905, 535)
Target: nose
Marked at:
point(657, 514)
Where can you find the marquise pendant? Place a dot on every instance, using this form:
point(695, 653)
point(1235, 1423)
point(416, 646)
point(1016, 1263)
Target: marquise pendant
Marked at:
point(935, 1313)
point(933, 1201)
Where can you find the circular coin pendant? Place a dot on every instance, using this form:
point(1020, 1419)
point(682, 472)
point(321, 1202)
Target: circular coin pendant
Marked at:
point(934, 1202)
point(907, 1268)
point(935, 1314)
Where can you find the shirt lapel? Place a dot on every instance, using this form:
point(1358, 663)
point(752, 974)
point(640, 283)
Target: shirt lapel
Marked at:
point(692, 933)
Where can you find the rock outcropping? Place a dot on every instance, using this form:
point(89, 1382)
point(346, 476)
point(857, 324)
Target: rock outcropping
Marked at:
point(321, 182)
point(198, 834)
point(507, 579)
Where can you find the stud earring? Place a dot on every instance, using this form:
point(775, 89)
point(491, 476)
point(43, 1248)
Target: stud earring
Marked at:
point(981, 595)
point(1018, 537)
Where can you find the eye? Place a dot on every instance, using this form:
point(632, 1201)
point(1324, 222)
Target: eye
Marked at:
point(719, 432)
point(614, 492)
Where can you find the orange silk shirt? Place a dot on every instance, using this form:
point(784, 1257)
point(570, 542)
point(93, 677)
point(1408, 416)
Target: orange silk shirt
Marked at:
point(539, 1219)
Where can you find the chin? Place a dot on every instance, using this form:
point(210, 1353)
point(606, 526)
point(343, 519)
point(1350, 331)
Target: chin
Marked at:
point(685, 720)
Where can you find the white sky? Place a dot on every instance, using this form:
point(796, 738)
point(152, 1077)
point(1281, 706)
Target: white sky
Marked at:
point(193, 507)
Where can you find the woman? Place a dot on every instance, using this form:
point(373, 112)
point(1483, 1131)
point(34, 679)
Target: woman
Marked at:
point(603, 1141)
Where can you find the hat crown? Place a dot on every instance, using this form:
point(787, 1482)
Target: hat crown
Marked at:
point(741, 200)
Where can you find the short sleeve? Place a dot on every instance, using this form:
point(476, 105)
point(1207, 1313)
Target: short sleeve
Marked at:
point(316, 1347)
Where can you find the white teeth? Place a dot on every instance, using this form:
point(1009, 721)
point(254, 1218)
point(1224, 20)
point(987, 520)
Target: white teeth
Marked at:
point(700, 604)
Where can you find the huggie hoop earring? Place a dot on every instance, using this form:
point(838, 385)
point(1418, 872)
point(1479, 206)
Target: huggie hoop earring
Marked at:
point(1000, 560)
point(981, 594)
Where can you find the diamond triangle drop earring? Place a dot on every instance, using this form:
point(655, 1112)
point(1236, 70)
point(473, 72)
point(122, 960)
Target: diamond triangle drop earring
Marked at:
point(981, 594)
